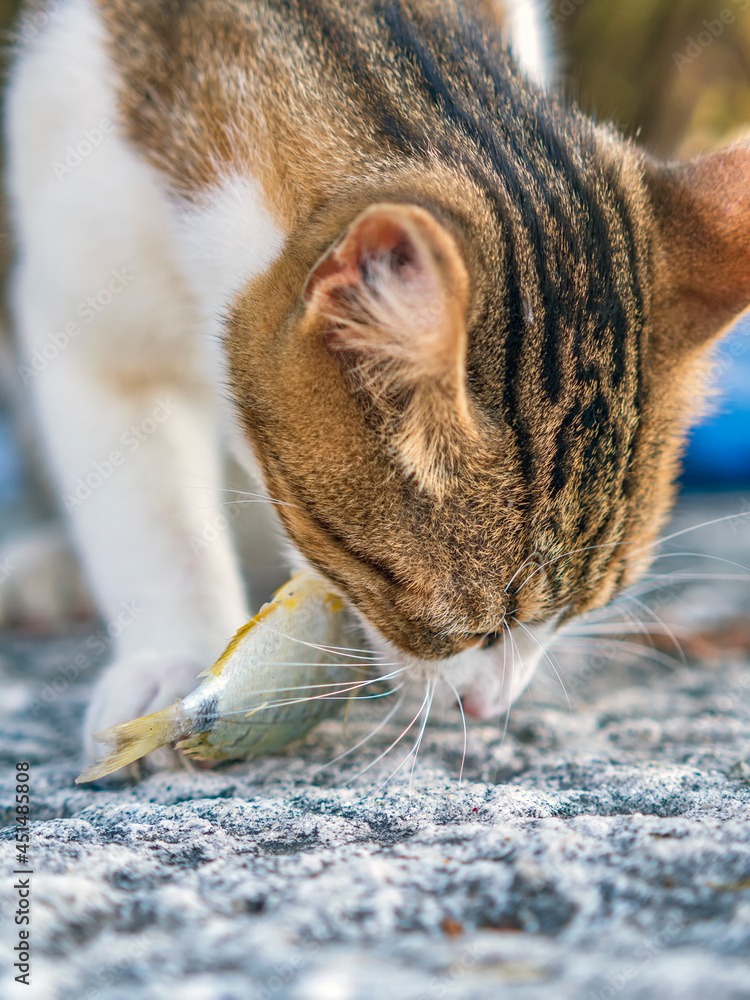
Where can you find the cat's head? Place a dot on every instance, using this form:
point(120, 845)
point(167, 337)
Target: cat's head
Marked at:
point(472, 398)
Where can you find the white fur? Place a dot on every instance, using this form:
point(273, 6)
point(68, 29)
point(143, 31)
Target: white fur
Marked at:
point(135, 380)
point(222, 242)
point(227, 237)
point(142, 377)
point(490, 680)
point(531, 39)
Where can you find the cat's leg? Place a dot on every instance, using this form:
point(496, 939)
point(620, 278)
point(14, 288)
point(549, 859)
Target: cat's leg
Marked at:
point(112, 353)
point(137, 470)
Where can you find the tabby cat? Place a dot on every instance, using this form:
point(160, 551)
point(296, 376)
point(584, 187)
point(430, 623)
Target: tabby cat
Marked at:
point(458, 329)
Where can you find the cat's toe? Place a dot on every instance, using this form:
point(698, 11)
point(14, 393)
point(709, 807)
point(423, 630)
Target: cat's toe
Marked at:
point(132, 687)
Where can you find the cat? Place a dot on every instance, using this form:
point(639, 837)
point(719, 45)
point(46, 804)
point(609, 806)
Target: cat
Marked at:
point(456, 328)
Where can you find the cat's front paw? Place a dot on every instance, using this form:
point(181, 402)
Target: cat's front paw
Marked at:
point(132, 687)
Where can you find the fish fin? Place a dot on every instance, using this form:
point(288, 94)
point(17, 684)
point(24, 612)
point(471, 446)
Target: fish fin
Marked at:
point(199, 748)
point(130, 741)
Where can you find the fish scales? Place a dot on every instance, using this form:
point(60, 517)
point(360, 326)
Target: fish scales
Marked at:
point(281, 675)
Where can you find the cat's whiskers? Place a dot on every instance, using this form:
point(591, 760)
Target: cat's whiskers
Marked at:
point(659, 621)
point(256, 712)
point(363, 655)
point(631, 619)
point(602, 628)
point(424, 714)
point(599, 620)
point(563, 555)
point(614, 620)
point(333, 684)
point(420, 736)
point(254, 500)
point(630, 623)
point(614, 628)
point(381, 725)
point(524, 564)
point(247, 494)
point(590, 631)
point(549, 659)
point(657, 580)
point(453, 688)
point(644, 548)
point(700, 555)
point(642, 588)
point(696, 527)
point(513, 650)
point(632, 648)
point(392, 745)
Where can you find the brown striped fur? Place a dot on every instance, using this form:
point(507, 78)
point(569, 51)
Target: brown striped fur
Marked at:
point(471, 369)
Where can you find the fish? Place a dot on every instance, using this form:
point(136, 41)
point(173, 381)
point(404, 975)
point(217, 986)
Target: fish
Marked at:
point(282, 674)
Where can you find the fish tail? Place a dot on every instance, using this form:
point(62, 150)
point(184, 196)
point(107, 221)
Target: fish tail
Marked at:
point(130, 741)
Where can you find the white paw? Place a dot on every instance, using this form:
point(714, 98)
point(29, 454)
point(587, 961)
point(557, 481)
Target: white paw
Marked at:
point(41, 588)
point(132, 687)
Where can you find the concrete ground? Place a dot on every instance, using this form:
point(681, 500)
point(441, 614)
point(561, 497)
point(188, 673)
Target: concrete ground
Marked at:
point(597, 850)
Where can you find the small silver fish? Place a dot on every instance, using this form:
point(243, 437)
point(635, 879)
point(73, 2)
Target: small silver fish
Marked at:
point(282, 674)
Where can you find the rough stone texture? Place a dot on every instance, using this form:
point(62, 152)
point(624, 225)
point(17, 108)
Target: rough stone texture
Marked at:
point(596, 851)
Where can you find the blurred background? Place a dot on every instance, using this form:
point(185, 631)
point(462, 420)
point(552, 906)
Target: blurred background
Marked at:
point(675, 74)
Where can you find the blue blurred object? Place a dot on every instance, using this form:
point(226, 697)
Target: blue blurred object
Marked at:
point(719, 452)
point(11, 468)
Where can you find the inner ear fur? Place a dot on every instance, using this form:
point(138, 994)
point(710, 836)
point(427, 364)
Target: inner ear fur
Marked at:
point(390, 300)
point(702, 211)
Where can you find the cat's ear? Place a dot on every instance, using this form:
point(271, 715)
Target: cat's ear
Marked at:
point(702, 211)
point(395, 289)
point(391, 297)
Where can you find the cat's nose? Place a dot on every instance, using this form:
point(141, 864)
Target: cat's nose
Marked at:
point(475, 706)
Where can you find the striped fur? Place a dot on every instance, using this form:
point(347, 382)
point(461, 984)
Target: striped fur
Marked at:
point(542, 499)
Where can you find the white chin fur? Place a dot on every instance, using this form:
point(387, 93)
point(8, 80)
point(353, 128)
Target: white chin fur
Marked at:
point(488, 681)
